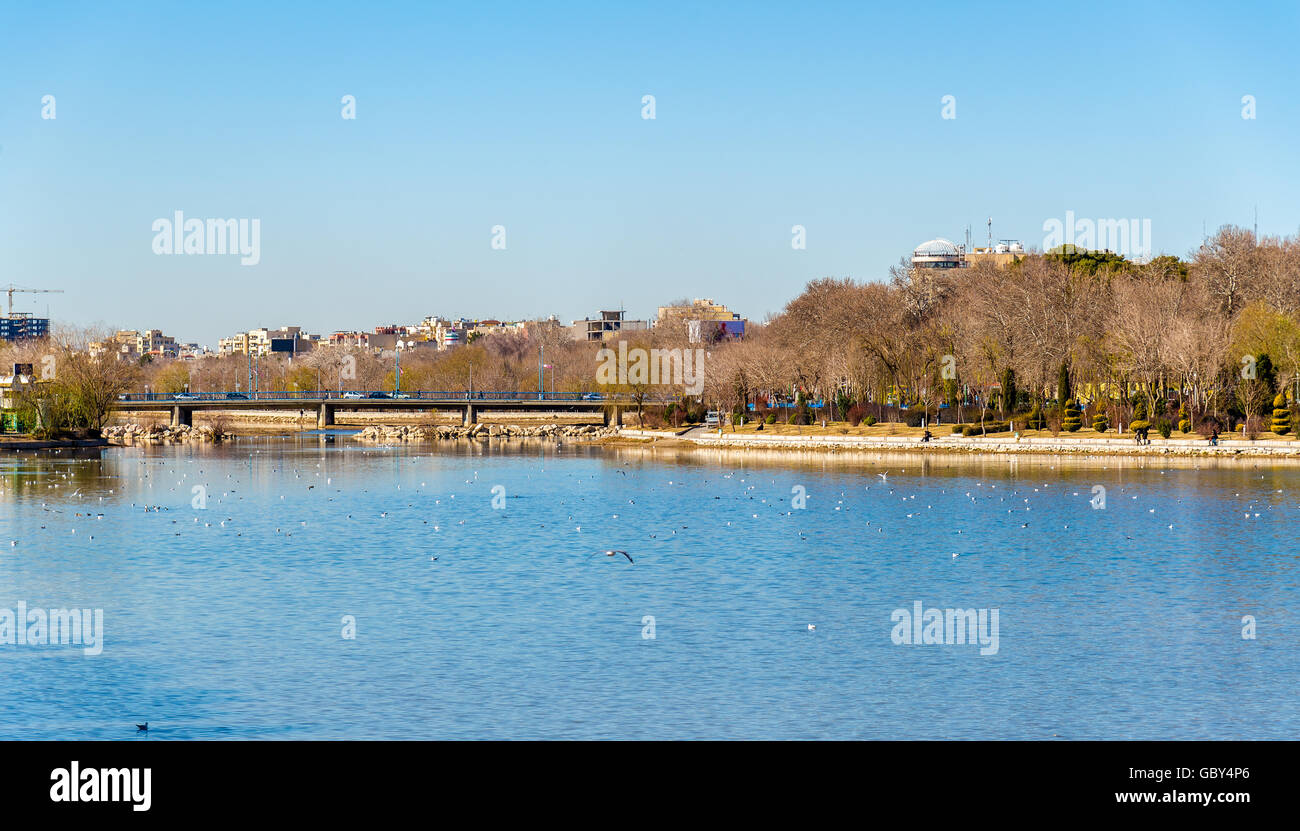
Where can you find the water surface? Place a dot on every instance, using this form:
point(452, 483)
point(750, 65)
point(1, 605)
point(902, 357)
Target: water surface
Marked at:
point(227, 621)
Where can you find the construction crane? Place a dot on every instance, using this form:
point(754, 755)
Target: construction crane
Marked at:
point(12, 288)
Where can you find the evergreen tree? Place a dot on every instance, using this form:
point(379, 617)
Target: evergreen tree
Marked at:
point(1072, 421)
point(1009, 391)
point(1100, 421)
point(1036, 419)
point(1265, 371)
point(1281, 415)
point(1140, 417)
point(1063, 392)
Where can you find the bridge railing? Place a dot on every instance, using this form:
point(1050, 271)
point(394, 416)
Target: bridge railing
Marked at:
point(352, 395)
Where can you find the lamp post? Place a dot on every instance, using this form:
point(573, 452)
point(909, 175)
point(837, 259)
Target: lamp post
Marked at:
point(541, 387)
point(397, 358)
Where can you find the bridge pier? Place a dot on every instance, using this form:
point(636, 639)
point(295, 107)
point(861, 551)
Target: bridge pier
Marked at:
point(614, 416)
point(469, 415)
point(182, 416)
point(325, 418)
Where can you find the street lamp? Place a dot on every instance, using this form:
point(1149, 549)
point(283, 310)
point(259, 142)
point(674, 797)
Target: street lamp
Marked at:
point(397, 358)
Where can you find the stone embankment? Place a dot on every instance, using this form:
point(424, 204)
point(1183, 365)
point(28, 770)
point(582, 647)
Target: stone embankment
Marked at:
point(126, 434)
point(413, 432)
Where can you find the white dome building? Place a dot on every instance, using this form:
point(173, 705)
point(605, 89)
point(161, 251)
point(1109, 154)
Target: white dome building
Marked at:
point(937, 253)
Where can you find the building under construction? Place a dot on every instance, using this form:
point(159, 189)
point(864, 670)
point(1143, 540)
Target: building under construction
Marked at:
point(23, 326)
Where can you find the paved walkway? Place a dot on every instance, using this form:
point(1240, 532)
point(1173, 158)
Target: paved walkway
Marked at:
point(709, 437)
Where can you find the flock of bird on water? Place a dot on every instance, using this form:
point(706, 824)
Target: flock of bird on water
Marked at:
point(982, 491)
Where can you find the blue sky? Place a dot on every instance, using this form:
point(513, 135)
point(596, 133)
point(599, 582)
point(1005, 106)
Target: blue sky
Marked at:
point(470, 116)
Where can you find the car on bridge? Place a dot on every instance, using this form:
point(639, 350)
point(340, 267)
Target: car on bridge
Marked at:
point(353, 395)
point(378, 395)
point(185, 396)
point(236, 396)
point(592, 396)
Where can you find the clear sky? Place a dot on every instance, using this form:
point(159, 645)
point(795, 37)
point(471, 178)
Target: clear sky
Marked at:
point(528, 115)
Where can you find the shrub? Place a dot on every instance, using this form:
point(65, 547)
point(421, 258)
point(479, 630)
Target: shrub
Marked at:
point(840, 405)
point(957, 428)
point(989, 428)
point(1140, 417)
point(801, 413)
point(771, 419)
point(856, 413)
point(869, 420)
point(1036, 420)
point(1281, 415)
point(915, 418)
point(1100, 421)
point(790, 420)
point(1184, 423)
point(1163, 427)
point(1073, 419)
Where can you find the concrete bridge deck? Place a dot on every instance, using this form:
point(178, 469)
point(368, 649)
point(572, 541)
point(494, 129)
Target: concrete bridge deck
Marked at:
point(326, 404)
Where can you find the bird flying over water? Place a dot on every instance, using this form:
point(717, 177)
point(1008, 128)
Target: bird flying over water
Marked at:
point(614, 553)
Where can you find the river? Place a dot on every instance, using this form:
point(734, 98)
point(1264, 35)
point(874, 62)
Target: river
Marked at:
point(317, 588)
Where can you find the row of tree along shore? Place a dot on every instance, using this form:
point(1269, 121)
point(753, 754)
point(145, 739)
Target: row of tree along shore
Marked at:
point(1068, 341)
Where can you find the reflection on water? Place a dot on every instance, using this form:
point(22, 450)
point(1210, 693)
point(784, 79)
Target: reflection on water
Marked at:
point(1123, 621)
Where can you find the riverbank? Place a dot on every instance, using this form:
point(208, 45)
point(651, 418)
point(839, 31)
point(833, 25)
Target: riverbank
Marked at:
point(822, 440)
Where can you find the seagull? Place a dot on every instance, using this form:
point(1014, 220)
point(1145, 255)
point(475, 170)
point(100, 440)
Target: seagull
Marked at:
point(812, 627)
point(142, 728)
point(614, 553)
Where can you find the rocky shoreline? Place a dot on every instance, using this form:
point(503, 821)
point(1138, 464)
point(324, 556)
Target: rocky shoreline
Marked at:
point(442, 432)
point(132, 433)
point(129, 434)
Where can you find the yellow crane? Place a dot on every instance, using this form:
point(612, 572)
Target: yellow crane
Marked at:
point(12, 288)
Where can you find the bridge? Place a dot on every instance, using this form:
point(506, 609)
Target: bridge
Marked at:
point(327, 402)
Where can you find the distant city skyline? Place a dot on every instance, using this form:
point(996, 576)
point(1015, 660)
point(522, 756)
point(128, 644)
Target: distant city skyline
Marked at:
point(869, 130)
